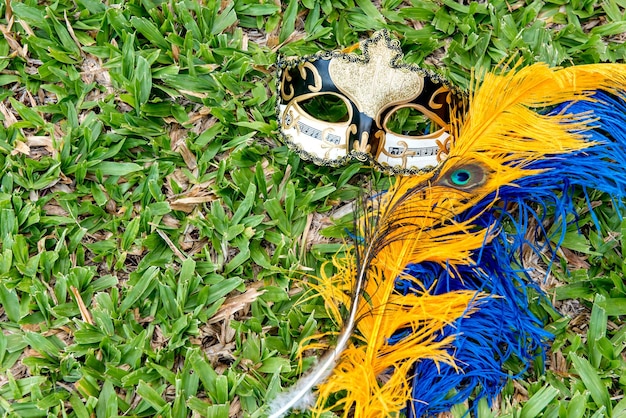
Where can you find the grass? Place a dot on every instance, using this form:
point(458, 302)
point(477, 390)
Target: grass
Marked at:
point(154, 231)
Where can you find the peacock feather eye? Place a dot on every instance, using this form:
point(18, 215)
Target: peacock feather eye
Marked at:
point(461, 177)
point(465, 177)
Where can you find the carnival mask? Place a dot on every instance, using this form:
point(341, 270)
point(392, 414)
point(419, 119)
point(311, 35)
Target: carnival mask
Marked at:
point(336, 106)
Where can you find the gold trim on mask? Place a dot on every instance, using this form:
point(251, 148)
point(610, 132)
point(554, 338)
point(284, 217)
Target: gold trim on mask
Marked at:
point(443, 89)
point(317, 79)
point(286, 82)
point(381, 137)
point(443, 127)
point(403, 155)
point(329, 146)
point(295, 104)
point(444, 148)
point(363, 144)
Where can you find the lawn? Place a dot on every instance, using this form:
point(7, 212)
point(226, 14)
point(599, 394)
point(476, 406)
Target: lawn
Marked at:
point(156, 235)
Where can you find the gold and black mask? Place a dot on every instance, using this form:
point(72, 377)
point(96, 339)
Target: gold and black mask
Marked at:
point(336, 106)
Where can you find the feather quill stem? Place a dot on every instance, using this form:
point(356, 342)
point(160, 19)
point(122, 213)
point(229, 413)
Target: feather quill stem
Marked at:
point(321, 371)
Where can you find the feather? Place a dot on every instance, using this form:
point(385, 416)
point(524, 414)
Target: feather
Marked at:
point(439, 261)
point(374, 370)
point(375, 374)
point(546, 187)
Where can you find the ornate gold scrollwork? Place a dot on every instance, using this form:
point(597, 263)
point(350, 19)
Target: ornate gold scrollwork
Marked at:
point(362, 145)
point(286, 82)
point(444, 148)
point(317, 79)
point(381, 137)
point(403, 155)
point(436, 105)
point(289, 117)
point(326, 132)
point(329, 146)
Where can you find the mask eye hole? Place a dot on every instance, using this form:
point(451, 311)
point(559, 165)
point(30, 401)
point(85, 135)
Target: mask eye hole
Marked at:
point(326, 107)
point(465, 177)
point(409, 121)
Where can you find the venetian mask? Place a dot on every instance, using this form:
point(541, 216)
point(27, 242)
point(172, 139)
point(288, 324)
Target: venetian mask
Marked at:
point(337, 106)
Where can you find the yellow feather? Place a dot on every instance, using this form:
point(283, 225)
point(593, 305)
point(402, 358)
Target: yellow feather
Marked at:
point(372, 372)
point(501, 120)
point(374, 375)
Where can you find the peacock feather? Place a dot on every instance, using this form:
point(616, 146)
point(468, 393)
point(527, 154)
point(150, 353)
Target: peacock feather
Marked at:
point(435, 284)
